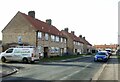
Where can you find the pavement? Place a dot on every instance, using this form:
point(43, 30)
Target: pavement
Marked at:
point(6, 70)
point(108, 72)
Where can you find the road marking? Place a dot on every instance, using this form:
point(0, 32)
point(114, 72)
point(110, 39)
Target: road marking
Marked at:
point(64, 78)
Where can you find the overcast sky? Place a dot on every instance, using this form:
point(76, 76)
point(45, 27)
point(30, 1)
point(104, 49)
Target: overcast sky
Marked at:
point(97, 20)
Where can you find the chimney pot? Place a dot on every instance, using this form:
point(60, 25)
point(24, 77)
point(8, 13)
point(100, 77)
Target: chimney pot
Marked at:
point(31, 13)
point(49, 21)
point(66, 29)
point(83, 37)
point(80, 36)
point(73, 32)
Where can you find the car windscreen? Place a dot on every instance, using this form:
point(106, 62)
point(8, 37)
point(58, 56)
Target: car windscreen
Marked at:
point(101, 53)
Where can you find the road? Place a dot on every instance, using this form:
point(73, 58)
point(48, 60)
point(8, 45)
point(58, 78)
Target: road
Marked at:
point(80, 69)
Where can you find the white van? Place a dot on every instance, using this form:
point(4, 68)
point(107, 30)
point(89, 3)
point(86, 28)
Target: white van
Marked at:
point(23, 53)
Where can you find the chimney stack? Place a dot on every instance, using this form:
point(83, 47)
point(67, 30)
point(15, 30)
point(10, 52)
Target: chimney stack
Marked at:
point(31, 13)
point(73, 32)
point(83, 37)
point(66, 29)
point(49, 21)
point(80, 36)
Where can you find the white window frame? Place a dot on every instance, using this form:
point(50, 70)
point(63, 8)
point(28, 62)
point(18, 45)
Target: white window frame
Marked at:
point(52, 37)
point(61, 39)
point(65, 40)
point(57, 39)
point(46, 36)
point(39, 35)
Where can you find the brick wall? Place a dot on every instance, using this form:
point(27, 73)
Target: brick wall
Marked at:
point(19, 26)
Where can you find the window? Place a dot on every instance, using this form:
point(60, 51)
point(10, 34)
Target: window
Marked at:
point(40, 49)
point(19, 39)
point(76, 43)
point(52, 50)
point(52, 38)
point(46, 36)
point(39, 35)
point(9, 51)
point(65, 40)
point(57, 39)
point(61, 39)
point(56, 49)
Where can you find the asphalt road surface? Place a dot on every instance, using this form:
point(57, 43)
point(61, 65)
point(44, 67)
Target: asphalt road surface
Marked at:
point(80, 69)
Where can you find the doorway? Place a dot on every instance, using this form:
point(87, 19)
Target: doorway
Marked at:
point(75, 50)
point(45, 52)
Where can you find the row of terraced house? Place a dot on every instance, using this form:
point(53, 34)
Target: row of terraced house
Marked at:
point(26, 30)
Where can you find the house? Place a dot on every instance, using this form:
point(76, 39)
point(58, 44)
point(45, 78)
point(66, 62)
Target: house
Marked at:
point(74, 45)
point(27, 30)
point(105, 46)
point(87, 47)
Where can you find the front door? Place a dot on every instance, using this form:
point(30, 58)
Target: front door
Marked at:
point(45, 52)
point(75, 50)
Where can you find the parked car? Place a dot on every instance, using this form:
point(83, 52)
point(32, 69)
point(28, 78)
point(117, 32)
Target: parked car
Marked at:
point(101, 56)
point(109, 51)
point(25, 54)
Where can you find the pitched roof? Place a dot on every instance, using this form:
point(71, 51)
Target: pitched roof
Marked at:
point(81, 39)
point(85, 41)
point(73, 37)
point(43, 26)
point(106, 46)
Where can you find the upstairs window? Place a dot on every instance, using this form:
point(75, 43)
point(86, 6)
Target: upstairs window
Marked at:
point(61, 39)
point(52, 38)
point(39, 35)
point(74, 42)
point(65, 40)
point(46, 36)
point(57, 39)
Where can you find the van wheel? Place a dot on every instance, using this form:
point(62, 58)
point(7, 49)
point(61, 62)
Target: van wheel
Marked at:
point(3, 59)
point(25, 60)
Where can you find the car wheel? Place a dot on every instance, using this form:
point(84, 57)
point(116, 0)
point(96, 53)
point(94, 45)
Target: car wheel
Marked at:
point(25, 60)
point(3, 59)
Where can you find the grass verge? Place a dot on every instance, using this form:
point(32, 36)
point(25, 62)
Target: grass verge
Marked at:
point(119, 57)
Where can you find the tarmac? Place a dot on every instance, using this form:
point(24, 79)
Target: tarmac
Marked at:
point(6, 70)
